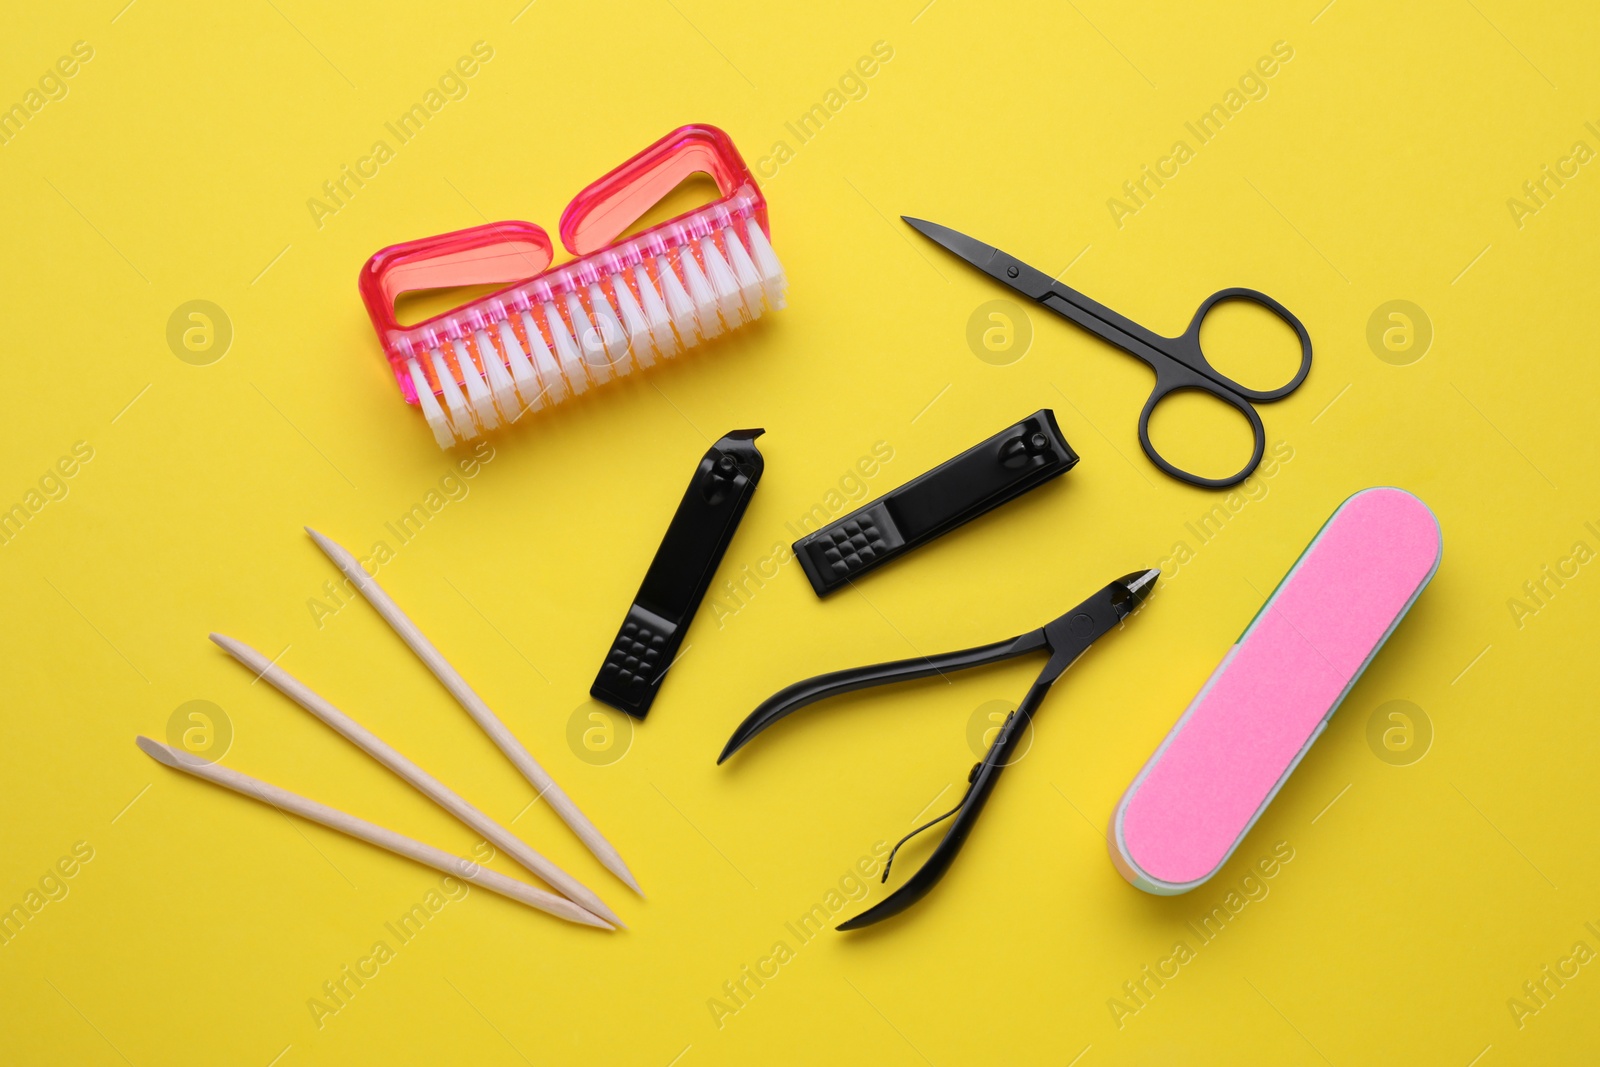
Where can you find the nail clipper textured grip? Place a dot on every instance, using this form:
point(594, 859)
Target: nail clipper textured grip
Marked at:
point(957, 491)
point(1269, 699)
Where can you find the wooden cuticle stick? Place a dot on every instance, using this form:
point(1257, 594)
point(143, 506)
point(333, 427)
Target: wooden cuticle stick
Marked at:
point(481, 713)
point(420, 779)
point(371, 833)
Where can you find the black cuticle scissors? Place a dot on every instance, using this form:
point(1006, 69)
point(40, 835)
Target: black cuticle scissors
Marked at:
point(1065, 639)
point(1178, 362)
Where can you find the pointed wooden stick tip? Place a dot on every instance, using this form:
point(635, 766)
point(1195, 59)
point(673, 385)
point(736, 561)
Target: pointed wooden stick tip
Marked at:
point(327, 544)
point(155, 750)
point(620, 869)
point(239, 651)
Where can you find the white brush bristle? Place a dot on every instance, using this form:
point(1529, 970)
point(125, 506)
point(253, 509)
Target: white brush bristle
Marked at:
point(567, 355)
point(523, 377)
point(437, 421)
point(544, 364)
point(477, 391)
point(500, 386)
point(705, 301)
point(591, 345)
point(687, 300)
point(454, 402)
point(637, 330)
point(745, 271)
point(679, 307)
point(730, 302)
point(656, 314)
point(612, 337)
point(772, 277)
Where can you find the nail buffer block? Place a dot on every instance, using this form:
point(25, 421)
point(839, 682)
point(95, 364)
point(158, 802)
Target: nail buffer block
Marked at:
point(1269, 699)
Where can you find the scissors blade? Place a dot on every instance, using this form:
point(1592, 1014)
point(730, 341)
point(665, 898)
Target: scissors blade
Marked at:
point(1002, 267)
point(1075, 307)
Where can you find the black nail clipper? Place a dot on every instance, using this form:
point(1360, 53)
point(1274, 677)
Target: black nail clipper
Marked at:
point(1065, 639)
point(1018, 458)
point(680, 574)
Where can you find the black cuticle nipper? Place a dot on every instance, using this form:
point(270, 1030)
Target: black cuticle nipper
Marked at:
point(1065, 639)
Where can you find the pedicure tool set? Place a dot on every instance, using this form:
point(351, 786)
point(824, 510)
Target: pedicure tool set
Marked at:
point(625, 303)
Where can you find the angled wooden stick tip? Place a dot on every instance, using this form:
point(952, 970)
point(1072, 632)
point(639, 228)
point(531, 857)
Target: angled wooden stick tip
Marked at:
point(371, 833)
point(481, 713)
point(421, 780)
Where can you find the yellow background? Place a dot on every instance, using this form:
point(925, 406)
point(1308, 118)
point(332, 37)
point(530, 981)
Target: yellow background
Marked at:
point(1420, 898)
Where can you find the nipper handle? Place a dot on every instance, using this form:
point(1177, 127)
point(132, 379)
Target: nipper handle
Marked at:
point(983, 779)
point(810, 690)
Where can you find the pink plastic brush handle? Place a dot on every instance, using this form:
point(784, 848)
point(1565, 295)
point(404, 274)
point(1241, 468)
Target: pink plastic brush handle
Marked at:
point(604, 209)
point(519, 253)
point(1262, 708)
point(479, 255)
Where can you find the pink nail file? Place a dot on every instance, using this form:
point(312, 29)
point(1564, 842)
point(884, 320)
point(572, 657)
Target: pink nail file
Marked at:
point(1269, 699)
